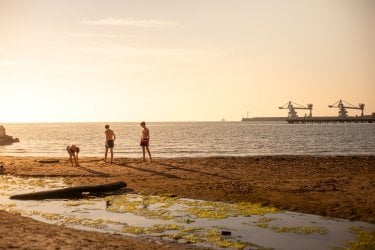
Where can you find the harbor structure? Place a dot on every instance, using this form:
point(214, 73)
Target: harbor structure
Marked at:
point(342, 117)
point(292, 106)
point(333, 119)
point(343, 106)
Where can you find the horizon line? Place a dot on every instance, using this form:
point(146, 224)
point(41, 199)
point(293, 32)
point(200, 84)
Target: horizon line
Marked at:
point(152, 121)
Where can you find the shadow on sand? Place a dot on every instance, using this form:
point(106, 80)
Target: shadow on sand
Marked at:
point(150, 171)
point(170, 166)
point(94, 172)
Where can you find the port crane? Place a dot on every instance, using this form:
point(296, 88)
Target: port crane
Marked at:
point(292, 106)
point(343, 105)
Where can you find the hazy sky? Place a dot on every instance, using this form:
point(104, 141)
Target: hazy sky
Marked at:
point(175, 60)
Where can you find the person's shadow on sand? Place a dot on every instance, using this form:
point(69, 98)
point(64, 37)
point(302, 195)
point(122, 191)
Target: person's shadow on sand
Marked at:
point(94, 172)
point(170, 166)
point(150, 171)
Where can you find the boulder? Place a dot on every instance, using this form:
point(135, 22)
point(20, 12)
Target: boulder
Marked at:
point(6, 139)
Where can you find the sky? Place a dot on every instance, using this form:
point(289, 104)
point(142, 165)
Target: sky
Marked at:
point(182, 60)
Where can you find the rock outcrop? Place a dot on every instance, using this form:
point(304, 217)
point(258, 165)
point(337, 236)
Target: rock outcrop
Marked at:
point(6, 139)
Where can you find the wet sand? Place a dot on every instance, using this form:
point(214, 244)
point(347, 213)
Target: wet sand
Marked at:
point(335, 186)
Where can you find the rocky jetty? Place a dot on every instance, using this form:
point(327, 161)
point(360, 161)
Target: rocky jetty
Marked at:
point(6, 139)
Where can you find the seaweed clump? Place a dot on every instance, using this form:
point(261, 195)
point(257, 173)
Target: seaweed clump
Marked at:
point(365, 240)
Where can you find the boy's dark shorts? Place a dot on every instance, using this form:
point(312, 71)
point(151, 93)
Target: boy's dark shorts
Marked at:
point(110, 144)
point(144, 143)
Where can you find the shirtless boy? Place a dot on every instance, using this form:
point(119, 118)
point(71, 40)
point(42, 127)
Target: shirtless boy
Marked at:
point(145, 141)
point(110, 142)
point(73, 152)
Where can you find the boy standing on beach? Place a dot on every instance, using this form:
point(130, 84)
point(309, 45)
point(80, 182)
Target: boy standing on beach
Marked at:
point(110, 142)
point(145, 141)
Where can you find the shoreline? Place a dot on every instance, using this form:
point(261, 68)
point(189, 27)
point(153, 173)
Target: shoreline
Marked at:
point(333, 186)
point(138, 157)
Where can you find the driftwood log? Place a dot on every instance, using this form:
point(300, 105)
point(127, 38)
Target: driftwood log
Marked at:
point(71, 192)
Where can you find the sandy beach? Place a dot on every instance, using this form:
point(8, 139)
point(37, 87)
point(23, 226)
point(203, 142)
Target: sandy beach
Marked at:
point(334, 186)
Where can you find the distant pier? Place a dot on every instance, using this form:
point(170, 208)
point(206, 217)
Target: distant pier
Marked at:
point(342, 117)
point(330, 119)
point(318, 119)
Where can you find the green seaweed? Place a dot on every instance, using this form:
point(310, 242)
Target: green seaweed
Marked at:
point(7, 182)
point(189, 235)
point(10, 208)
point(365, 240)
point(78, 203)
point(133, 230)
point(125, 204)
point(300, 230)
point(156, 207)
point(193, 238)
point(219, 210)
point(264, 223)
point(214, 237)
point(191, 229)
point(185, 219)
point(71, 220)
point(158, 228)
point(247, 209)
point(209, 212)
point(176, 236)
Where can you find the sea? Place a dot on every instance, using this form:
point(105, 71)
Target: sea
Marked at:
point(194, 139)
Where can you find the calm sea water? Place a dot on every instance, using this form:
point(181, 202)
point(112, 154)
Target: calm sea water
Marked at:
point(192, 139)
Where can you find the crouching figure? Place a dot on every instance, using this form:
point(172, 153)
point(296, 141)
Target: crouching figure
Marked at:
point(73, 152)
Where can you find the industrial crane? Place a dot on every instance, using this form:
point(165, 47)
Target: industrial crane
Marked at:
point(343, 105)
point(292, 109)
